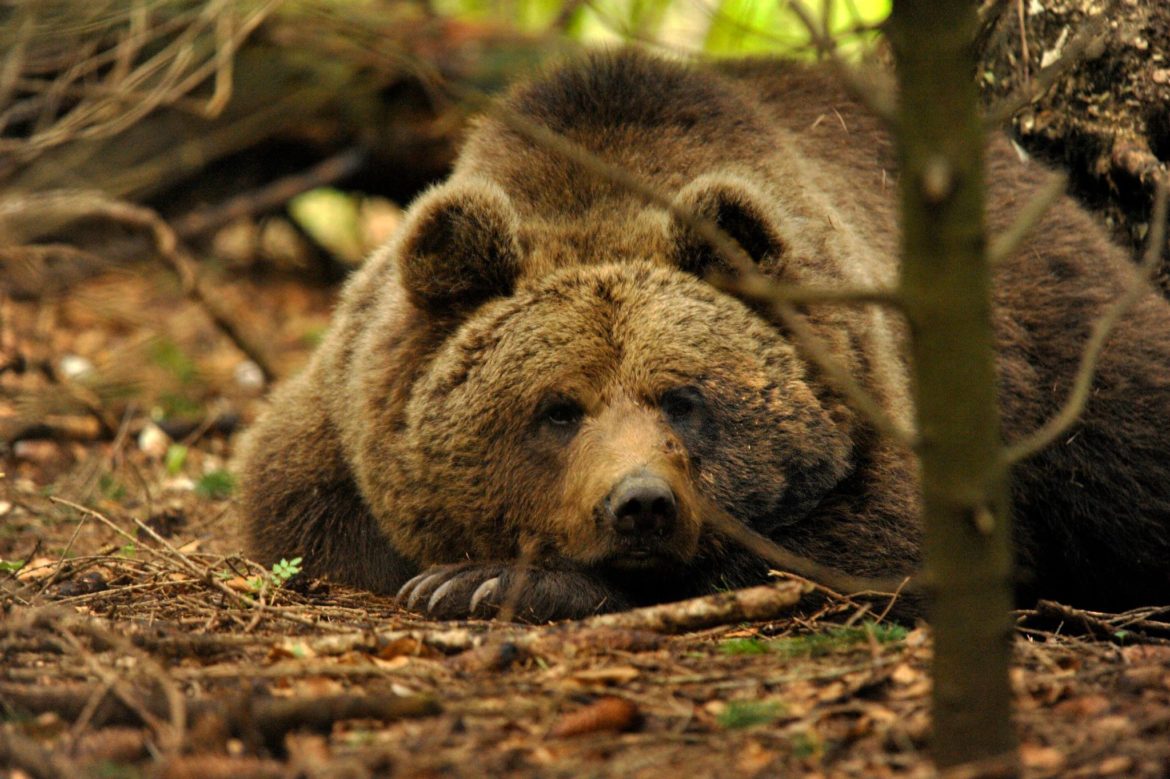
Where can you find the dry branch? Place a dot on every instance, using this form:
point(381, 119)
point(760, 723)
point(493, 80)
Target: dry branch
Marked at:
point(245, 715)
point(206, 575)
point(754, 604)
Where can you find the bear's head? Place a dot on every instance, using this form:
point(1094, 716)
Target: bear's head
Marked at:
point(592, 412)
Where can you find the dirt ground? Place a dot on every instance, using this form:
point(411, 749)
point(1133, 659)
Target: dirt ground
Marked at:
point(136, 641)
point(1088, 88)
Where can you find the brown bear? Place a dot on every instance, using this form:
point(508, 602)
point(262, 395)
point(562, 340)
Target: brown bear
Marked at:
point(532, 396)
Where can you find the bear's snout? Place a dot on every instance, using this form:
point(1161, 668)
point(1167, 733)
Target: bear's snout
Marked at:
point(642, 504)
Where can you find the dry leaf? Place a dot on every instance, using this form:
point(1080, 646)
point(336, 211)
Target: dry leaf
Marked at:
point(1041, 758)
point(605, 714)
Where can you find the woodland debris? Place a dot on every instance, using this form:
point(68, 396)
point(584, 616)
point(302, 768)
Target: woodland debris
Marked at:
point(608, 713)
point(245, 715)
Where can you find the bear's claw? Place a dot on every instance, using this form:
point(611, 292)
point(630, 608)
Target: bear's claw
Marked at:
point(488, 590)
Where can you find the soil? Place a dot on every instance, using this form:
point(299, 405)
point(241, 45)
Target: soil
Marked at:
point(136, 641)
point(1105, 118)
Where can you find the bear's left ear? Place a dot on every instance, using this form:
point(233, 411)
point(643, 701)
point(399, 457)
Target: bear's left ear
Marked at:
point(459, 247)
point(740, 209)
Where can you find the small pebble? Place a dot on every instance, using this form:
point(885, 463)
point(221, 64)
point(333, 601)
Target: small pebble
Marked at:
point(74, 367)
point(153, 441)
point(249, 376)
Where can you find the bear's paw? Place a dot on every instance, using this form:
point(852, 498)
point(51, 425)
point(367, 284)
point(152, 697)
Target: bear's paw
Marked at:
point(522, 593)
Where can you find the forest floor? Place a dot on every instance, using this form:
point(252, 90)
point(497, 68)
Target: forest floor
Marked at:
point(136, 641)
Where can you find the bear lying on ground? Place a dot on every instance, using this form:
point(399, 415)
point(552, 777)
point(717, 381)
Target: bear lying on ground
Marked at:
point(531, 394)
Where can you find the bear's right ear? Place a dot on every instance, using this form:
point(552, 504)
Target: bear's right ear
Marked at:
point(736, 206)
point(459, 247)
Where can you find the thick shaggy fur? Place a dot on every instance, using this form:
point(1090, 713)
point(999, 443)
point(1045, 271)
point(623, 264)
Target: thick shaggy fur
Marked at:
point(535, 337)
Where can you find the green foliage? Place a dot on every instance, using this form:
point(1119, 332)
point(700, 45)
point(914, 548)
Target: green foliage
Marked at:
point(806, 744)
point(753, 27)
point(746, 714)
point(286, 569)
point(176, 404)
point(175, 458)
point(715, 27)
point(167, 355)
point(816, 644)
point(313, 336)
point(744, 646)
point(129, 550)
point(216, 485)
point(837, 639)
point(111, 488)
point(108, 769)
point(281, 572)
point(333, 219)
point(11, 566)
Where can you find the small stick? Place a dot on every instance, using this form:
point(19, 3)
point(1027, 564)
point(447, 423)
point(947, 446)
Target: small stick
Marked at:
point(204, 575)
point(753, 604)
point(271, 195)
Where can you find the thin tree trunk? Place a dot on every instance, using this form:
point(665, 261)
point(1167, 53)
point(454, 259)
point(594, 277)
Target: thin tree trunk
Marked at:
point(947, 287)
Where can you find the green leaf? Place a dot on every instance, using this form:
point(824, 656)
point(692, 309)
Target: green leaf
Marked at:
point(175, 457)
point(744, 646)
point(170, 357)
point(11, 566)
point(216, 485)
point(333, 219)
point(745, 714)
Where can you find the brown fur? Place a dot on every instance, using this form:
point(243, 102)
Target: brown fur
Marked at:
point(535, 340)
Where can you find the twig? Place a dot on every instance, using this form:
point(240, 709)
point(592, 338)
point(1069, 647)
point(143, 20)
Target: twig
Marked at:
point(204, 575)
point(52, 578)
point(874, 93)
point(272, 195)
point(1102, 329)
point(1005, 244)
point(244, 715)
point(840, 582)
point(129, 697)
point(839, 377)
point(25, 755)
point(64, 624)
point(753, 604)
point(1021, 15)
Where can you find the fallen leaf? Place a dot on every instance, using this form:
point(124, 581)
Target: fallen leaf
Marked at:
point(604, 714)
point(1118, 764)
point(1041, 758)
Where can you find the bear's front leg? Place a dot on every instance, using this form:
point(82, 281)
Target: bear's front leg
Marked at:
point(524, 593)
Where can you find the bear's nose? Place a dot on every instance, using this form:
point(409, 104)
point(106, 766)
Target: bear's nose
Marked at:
point(642, 504)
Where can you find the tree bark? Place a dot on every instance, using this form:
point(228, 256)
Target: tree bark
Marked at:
point(947, 290)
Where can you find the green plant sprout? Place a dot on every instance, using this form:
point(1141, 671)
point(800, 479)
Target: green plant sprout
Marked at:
point(280, 574)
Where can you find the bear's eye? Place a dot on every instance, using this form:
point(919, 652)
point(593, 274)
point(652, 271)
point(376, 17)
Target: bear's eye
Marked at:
point(560, 413)
point(681, 403)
